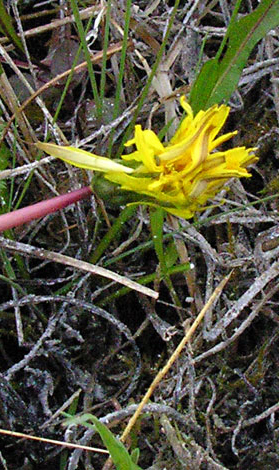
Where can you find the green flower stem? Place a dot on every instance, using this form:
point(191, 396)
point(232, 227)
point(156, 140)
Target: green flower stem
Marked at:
point(144, 281)
point(114, 231)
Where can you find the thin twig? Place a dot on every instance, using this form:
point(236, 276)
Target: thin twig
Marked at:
point(52, 441)
point(161, 374)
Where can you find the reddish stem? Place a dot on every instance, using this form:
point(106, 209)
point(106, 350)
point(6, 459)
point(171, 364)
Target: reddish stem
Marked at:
point(40, 209)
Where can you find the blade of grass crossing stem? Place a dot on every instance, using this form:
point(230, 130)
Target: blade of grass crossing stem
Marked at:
point(113, 233)
point(150, 78)
point(24, 189)
point(5, 195)
point(29, 178)
point(91, 73)
point(218, 78)
point(121, 68)
point(7, 159)
point(119, 455)
point(14, 162)
point(105, 49)
point(140, 247)
point(157, 223)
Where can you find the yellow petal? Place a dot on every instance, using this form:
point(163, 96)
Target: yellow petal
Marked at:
point(148, 145)
point(130, 183)
point(83, 159)
point(176, 151)
point(220, 140)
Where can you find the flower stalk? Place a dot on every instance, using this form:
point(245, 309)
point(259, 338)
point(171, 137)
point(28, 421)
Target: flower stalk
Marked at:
point(40, 209)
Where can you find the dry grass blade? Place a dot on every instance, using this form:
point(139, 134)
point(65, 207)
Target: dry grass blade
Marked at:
point(28, 250)
point(244, 300)
point(96, 58)
point(5, 174)
point(8, 96)
point(84, 14)
point(52, 441)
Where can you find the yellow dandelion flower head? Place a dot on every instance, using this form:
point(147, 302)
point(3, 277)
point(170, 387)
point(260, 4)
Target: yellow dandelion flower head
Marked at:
point(184, 173)
point(180, 175)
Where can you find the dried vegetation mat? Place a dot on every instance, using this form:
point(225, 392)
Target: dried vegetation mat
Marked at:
point(73, 338)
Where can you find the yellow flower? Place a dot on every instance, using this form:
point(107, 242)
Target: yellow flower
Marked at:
point(179, 176)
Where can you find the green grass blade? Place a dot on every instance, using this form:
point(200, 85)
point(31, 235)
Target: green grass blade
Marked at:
point(119, 455)
point(180, 268)
point(105, 49)
point(8, 28)
point(218, 78)
point(121, 67)
point(69, 78)
point(141, 247)
point(91, 73)
point(6, 196)
point(232, 22)
point(113, 233)
point(65, 453)
point(122, 58)
point(157, 222)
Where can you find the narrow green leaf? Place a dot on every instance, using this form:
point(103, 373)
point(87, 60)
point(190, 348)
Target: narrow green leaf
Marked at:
point(218, 78)
point(229, 28)
point(4, 193)
point(180, 268)
point(65, 453)
point(113, 233)
point(157, 221)
point(105, 49)
point(119, 85)
point(119, 455)
point(171, 255)
point(135, 455)
point(118, 452)
point(8, 28)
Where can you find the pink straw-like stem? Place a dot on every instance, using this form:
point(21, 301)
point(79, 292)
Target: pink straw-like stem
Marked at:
point(40, 209)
